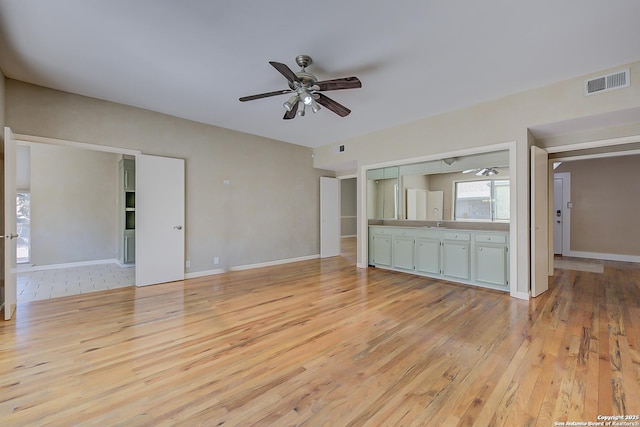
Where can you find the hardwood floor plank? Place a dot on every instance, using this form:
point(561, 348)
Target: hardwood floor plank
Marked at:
point(322, 343)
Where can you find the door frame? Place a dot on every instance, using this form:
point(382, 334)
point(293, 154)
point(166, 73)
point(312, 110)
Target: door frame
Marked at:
point(330, 205)
point(9, 237)
point(32, 139)
point(566, 243)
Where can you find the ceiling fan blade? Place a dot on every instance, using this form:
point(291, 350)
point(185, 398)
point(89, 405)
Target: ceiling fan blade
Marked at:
point(292, 113)
point(337, 84)
point(332, 105)
point(265, 95)
point(469, 170)
point(285, 71)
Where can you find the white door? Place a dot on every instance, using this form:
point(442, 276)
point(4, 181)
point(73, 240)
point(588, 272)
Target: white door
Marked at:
point(539, 221)
point(9, 234)
point(329, 217)
point(159, 220)
point(557, 216)
point(416, 204)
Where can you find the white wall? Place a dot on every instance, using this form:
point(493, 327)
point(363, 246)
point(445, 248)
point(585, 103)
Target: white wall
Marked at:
point(74, 205)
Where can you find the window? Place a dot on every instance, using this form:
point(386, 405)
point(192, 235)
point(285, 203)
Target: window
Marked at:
point(23, 219)
point(482, 200)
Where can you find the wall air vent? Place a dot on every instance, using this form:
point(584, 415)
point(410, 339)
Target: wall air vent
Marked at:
point(606, 83)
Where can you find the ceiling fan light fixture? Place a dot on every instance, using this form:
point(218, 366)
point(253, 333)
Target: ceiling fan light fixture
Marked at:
point(306, 97)
point(290, 103)
point(315, 107)
point(301, 109)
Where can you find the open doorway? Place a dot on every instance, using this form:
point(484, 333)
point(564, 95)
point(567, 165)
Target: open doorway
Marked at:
point(597, 205)
point(68, 218)
point(348, 218)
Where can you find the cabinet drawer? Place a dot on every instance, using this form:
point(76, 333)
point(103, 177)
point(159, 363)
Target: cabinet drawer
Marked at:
point(409, 232)
point(491, 238)
point(465, 237)
point(379, 231)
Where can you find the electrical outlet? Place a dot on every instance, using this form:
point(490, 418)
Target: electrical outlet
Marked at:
point(188, 264)
point(216, 260)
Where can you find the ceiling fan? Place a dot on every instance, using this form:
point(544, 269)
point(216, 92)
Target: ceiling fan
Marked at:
point(483, 171)
point(306, 89)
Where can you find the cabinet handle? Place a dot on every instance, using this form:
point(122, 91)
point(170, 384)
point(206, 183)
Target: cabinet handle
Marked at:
point(480, 249)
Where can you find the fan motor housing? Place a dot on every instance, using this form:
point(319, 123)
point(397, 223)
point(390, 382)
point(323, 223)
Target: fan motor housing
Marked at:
point(307, 79)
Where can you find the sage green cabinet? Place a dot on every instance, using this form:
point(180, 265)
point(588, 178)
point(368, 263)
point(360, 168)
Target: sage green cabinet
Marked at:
point(403, 252)
point(129, 247)
point(491, 260)
point(129, 174)
point(455, 255)
point(382, 249)
point(428, 255)
point(466, 256)
point(127, 179)
point(455, 260)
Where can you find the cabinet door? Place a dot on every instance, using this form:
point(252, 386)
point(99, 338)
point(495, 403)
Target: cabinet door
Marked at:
point(382, 250)
point(428, 255)
point(129, 179)
point(491, 264)
point(455, 259)
point(403, 252)
point(129, 248)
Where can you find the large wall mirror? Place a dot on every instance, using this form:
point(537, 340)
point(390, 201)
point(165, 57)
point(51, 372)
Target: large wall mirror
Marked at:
point(383, 193)
point(467, 188)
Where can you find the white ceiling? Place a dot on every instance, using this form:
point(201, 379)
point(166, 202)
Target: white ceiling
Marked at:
point(415, 58)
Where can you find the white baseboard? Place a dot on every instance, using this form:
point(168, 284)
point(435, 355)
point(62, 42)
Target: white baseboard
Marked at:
point(603, 256)
point(272, 263)
point(203, 273)
point(520, 295)
point(25, 268)
point(248, 266)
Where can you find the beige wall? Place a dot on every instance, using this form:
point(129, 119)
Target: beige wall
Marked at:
point(493, 123)
point(74, 205)
point(606, 202)
point(268, 212)
point(348, 206)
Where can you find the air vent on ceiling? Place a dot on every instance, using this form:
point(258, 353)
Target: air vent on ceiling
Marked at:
point(606, 83)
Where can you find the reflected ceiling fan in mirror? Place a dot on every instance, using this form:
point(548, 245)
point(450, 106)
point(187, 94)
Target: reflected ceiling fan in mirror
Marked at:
point(483, 171)
point(306, 90)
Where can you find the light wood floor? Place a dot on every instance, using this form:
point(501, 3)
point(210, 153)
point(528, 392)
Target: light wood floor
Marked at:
point(321, 343)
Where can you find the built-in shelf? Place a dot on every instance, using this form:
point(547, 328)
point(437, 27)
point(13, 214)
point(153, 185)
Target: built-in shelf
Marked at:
point(128, 198)
point(130, 220)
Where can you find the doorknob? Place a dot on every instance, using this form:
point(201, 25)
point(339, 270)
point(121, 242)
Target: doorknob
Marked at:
point(178, 227)
point(10, 236)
